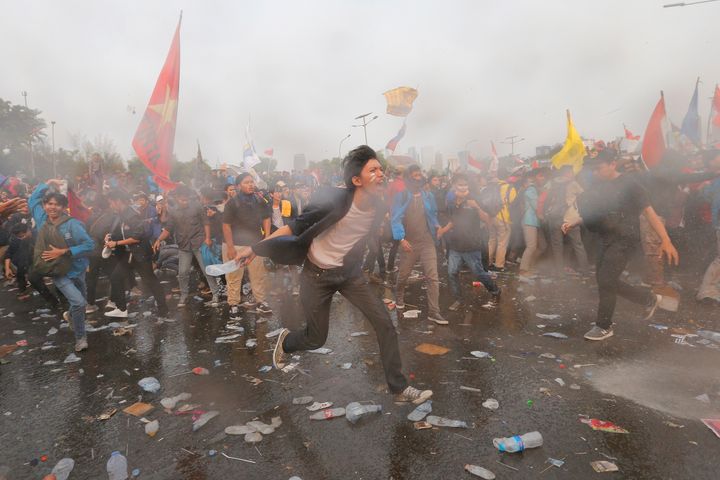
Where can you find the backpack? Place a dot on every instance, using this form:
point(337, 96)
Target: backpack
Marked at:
point(49, 234)
point(555, 204)
point(490, 200)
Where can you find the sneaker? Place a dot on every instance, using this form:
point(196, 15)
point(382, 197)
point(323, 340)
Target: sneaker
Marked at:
point(248, 304)
point(455, 306)
point(81, 344)
point(412, 394)
point(496, 296)
point(234, 312)
point(493, 268)
point(183, 302)
point(650, 309)
point(214, 302)
point(110, 305)
point(66, 317)
point(279, 352)
point(597, 333)
point(392, 270)
point(437, 318)
point(296, 291)
point(117, 313)
point(400, 305)
point(263, 308)
point(89, 308)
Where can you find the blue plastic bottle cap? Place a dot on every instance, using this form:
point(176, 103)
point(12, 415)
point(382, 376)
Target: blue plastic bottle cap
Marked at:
point(136, 472)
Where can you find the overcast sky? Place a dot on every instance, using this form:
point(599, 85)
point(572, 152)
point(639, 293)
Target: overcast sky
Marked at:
point(301, 70)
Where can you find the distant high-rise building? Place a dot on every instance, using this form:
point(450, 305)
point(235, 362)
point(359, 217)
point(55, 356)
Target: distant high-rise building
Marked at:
point(427, 156)
point(439, 165)
point(299, 162)
point(412, 153)
point(543, 151)
point(463, 159)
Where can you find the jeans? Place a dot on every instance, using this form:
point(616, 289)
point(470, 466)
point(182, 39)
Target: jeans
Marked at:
point(557, 239)
point(317, 287)
point(612, 259)
point(184, 264)
point(74, 291)
point(710, 287)
point(474, 261)
point(125, 265)
point(428, 259)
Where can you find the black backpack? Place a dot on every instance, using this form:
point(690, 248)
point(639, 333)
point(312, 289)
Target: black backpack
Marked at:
point(555, 204)
point(490, 199)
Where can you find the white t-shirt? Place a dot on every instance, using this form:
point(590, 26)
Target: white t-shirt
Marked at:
point(277, 219)
point(328, 249)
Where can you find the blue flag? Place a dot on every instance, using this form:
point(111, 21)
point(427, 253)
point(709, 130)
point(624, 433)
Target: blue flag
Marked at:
point(691, 123)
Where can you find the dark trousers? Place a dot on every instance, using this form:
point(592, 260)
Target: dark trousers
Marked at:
point(392, 255)
point(612, 259)
point(125, 265)
point(317, 287)
point(375, 254)
point(38, 283)
point(97, 263)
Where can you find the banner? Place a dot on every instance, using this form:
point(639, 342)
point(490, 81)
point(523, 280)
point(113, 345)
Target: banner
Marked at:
point(400, 101)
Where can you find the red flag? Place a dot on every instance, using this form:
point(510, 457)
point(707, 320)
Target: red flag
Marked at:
point(473, 162)
point(629, 135)
point(76, 207)
point(269, 152)
point(155, 136)
point(494, 163)
point(653, 146)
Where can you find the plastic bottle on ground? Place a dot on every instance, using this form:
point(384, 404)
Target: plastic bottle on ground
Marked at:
point(355, 410)
point(420, 412)
point(117, 467)
point(152, 428)
point(63, 468)
point(518, 443)
point(328, 414)
point(709, 335)
point(445, 422)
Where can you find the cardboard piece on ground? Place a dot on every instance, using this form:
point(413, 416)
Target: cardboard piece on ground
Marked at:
point(713, 424)
point(138, 409)
point(602, 466)
point(6, 349)
point(430, 349)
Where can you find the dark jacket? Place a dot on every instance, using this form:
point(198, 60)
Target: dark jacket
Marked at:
point(325, 209)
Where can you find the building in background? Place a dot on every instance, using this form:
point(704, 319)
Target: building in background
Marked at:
point(299, 162)
point(427, 156)
point(413, 153)
point(438, 164)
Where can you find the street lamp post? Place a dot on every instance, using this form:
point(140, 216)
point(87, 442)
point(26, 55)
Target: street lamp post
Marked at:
point(512, 142)
point(52, 123)
point(32, 156)
point(340, 146)
point(683, 4)
point(365, 123)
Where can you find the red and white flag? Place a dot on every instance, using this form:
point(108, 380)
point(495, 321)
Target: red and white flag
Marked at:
point(269, 152)
point(473, 162)
point(494, 163)
point(653, 146)
point(155, 137)
point(629, 135)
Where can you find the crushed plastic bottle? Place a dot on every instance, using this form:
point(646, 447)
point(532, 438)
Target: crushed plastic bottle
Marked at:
point(152, 428)
point(328, 414)
point(201, 371)
point(518, 443)
point(203, 419)
point(171, 402)
point(445, 422)
point(253, 437)
point(302, 400)
point(491, 404)
point(149, 384)
point(251, 343)
point(709, 335)
point(62, 469)
point(480, 472)
point(420, 412)
point(117, 468)
point(72, 358)
point(321, 350)
point(222, 268)
point(355, 410)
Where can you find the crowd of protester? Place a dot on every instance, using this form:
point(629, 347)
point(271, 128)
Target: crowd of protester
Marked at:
point(59, 237)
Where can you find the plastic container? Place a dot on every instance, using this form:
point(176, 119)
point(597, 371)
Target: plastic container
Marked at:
point(117, 468)
point(63, 468)
point(221, 269)
point(518, 443)
point(355, 410)
point(327, 414)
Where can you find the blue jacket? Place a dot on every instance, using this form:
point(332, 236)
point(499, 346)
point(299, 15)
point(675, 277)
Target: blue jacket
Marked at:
point(400, 204)
point(73, 231)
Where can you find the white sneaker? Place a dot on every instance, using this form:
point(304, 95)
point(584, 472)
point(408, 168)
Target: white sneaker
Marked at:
point(412, 394)
point(91, 308)
point(117, 313)
point(110, 305)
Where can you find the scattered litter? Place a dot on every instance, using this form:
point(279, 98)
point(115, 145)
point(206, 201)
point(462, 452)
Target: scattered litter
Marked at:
point(480, 354)
point(709, 335)
point(251, 343)
point(203, 419)
point(421, 425)
point(302, 400)
point(411, 314)
point(239, 429)
point(274, 333)
point(355, 410)
point(658, 326)
point(555, 462)
point(574, 386)
point(430, 349)
point(546, 316)
point(328, 414)
point(555, 335)
point(547, 355)
point(22, 343)
point(122, 331)
point(540, 325)
point(359, 334)
point(290, 367)
point(319, 406)
point(150, 384)
point(602, 466)
point(62, 469)
point(603, 425)
point(420, 412)
point(346, 366)
point(470, 389)
point(17, 332)
point(228, 338)
point(107, 415)
point(200, 371)
point(72, 358)
point(713, 424)
point(445, 422)
point(51, 362)
point(321, 350)
point(152, 428)
point(138, 409)
point(170, 402)
point(261, 427)
point(560, 381)
point(253, 437)
point(703, 398)
point(480, 472)
point(673, 425)
point(265, 368)
point(491, 404)
point(518, 443)
point(52, 331)
point(236, 458)
point(530, 298)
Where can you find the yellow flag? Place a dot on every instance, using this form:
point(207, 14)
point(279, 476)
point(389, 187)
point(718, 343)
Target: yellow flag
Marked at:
point(400, 100)
point(573, 152)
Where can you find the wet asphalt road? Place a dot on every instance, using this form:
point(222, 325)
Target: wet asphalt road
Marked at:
point(640, 379)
